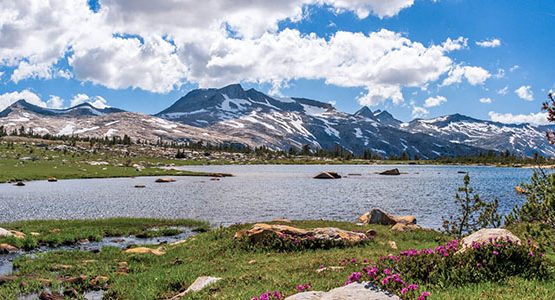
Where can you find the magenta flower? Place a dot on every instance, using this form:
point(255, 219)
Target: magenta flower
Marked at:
point(355, 277)
point(495, 252)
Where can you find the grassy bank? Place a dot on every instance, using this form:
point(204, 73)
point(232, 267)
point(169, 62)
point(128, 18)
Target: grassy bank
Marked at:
point(244, 272)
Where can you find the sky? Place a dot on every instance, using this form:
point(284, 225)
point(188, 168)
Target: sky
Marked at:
point(489, 59)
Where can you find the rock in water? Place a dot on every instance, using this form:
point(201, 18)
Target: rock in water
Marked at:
point(489, 235)
point(19, 183)
point(378, 216)
point(391, 172)
point(165, 180)
point(353, 291)
point(328, 175)
point(52, 179)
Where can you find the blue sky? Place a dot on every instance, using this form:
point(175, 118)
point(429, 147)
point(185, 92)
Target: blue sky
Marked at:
point(157, 61)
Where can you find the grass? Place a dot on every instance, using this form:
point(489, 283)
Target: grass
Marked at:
point(24, 162)
point(244, 273)
point(68, 232)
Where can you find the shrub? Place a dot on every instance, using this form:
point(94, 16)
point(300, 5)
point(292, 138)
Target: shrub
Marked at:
point(474, 213)
point(285, 243)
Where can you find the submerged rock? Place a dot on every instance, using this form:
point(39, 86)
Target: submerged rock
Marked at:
point(353, 291)
point(378, 216)
point(140, 186)
point(328, 175)
point(392, 172)
point(489, 235)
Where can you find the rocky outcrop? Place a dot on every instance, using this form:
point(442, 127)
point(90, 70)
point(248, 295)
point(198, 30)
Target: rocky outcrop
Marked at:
point(198, 285)
point(328, 175)
point(260, 232)
point(353, 291)
point(488, 235)
point(392, 172)
point(402, 227)
point(378, 216)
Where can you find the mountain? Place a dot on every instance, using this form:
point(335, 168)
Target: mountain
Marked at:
point(234, 115)
point(520, 139)
point(84, 109)
point(89, 121)
point(281, 123)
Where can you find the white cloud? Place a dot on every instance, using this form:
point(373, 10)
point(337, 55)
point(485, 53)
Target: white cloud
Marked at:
point(456, 44)
point(434, 101)
point(514, 68)
point(525, 93)
point(158, 46)
point(503, 91)
point(96, 101)
point(8, 99)
point(500, 73)
point(474, 75)
point(491, 43)
point(419, 112)
point(55, 102)
point(486, 100)
point(533, 118)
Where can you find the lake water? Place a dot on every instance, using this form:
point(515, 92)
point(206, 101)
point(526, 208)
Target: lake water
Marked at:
point(264, 192)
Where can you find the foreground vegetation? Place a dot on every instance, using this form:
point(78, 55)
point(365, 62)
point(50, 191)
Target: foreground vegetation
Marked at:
point(245, 271)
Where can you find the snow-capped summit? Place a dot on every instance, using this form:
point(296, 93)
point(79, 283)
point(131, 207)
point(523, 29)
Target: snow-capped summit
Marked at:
point(83, 109)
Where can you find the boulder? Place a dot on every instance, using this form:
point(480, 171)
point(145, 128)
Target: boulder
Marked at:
point(19, 183)
point(378, 216)
point(140, 186)
point(259, 232)
point(198, 285)
point(144, 250)
point(17, 234)
point(47, 295)
point(4, 232)
point(52, 179)
point(401, 227)
point(328, 175)
point(520, 190)
point(353, 291)
point(392, 172)
point(7, 248)
point(488, 235)
point(165, 180)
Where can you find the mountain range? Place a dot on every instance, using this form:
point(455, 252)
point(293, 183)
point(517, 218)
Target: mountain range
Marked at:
point(234, 115)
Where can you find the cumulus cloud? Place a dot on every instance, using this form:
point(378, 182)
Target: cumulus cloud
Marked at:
point(486, 100)
point(525, 93)
point(474, 75)
point(434, 101)
point(8, 99)
point(158, 46)
point(96, 101)
point(419, 112)
point(491, 43)
point(503, 91)
point(533, 118)
point(55, 102)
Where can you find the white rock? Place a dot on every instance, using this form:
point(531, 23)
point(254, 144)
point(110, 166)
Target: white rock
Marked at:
point(4, 232)
point(487, 235)
point(353, 291)
point(199, 284)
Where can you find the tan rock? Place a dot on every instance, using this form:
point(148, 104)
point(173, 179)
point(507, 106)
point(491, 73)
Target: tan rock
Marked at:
point(52, 179)
point(5, 232)
point(18, 234)
point(488, 235)
point(259, 232)
point(392, 245)
point(378, 216)
point(332, 268)
point(144, 250)
point(392, 172)
point(7, 248)
point(35, 234)
point(401, 227)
